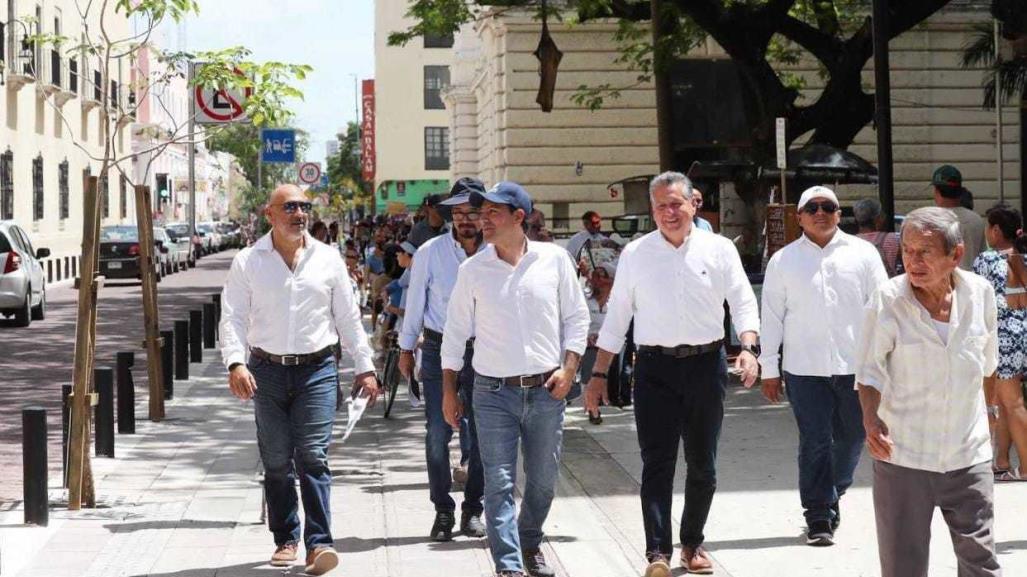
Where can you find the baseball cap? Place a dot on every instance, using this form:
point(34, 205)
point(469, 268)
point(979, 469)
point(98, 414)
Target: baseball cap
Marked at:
point(461, 191)
point(505, 192)
point(947, 177)
point(817, 192)
point(408, 247)
point(432, 200)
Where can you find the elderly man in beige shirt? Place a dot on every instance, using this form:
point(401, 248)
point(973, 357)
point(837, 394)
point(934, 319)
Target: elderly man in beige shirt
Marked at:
point(929, 339)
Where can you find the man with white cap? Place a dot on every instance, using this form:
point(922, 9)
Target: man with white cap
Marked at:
point(432, 278)
point(814, 293)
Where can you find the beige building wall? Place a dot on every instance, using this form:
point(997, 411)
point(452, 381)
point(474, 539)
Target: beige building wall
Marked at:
point(500, 133)
point(400, 115)
point(43, 118)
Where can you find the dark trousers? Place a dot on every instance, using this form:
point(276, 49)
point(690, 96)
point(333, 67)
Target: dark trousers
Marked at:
point(831, 438)
point(678, 398)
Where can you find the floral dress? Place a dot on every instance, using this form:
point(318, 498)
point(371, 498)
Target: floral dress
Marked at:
point(1012, 324)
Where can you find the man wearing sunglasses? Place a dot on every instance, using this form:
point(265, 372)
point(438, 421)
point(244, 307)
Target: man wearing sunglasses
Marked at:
point(287, 301)
point(814, 293)
point(432, 278)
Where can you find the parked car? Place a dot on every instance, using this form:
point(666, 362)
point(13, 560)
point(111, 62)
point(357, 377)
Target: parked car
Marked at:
point(208, 230)
point(22, 284)
point(181, 230)
point(120, 254)
point(231, 235)
point(178, 252)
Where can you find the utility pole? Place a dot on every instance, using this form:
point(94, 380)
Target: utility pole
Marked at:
point(661, 27)
point(192, 156)
point(998, 114)
point(882, 112)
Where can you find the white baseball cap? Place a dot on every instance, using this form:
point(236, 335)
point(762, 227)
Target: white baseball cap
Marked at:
point(817, 192)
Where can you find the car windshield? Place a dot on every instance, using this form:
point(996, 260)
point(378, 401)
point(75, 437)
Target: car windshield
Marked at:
point(203, 227)
point(119, 234)
point(179, 229)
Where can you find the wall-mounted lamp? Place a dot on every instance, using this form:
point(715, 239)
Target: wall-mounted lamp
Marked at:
point(25, 53)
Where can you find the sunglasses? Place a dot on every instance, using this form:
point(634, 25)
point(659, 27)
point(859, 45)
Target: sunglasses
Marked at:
point(293, 205)
point(812, 206)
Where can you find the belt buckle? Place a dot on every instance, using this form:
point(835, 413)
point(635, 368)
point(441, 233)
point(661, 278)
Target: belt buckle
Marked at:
point(521, 380)
point(290, 360)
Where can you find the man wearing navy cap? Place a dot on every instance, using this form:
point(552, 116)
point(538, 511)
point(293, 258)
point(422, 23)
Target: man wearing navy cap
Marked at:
point(432, 277)
point(948, 193)
point(521, 301)
point(432, 225)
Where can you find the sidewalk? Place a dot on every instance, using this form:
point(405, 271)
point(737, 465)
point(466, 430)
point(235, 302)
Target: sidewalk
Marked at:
point(181, 500)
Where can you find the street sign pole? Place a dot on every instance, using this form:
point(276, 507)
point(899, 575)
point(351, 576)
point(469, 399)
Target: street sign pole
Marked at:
point(782, 155)
point(192, 162)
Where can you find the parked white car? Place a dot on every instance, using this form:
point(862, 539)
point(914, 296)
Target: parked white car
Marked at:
point(22, 282)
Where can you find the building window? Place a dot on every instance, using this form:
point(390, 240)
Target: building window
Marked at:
point(37, 188)
point(62, 183)
point(436, 148)
point(435, 79)
point(438, 41)
point(123, 195)
point(7, 185)
point(105, 201)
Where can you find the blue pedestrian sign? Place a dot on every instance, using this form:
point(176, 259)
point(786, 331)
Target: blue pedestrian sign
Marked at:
point(324, 181)
point(278, 145)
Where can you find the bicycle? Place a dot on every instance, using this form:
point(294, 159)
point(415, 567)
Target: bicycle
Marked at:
point(390, 376)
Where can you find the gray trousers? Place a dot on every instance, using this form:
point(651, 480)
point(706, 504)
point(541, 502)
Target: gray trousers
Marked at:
point(904, 503)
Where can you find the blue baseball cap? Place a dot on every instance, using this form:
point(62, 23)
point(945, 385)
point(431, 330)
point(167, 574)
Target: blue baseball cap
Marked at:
point(505, 192)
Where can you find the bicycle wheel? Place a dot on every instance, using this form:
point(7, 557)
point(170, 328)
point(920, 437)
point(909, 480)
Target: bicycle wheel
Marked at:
point(390, 379)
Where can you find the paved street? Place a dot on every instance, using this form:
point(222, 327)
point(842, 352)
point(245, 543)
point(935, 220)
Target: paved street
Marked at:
point(181, 499)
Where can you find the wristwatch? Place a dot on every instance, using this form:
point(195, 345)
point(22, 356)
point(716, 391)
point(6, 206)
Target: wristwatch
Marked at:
point(600, 375)
point(754, 350)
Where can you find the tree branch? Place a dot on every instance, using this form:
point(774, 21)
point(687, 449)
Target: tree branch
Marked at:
point(824, 47)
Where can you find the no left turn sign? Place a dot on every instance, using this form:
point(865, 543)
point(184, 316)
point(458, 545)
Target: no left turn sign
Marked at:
point(310, 172)
point(220, 106)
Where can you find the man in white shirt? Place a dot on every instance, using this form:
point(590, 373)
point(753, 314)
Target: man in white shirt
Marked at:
point(814, 293)
point(929, 338)
point(431, 282)
point(521, 301)
point(287, 301)
point(673, 282)
point(592, 224)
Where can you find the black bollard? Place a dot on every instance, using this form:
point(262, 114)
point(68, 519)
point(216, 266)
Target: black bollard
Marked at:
point(126, 394)
point(167, 354)
point(33, 443)
point(216, 298)
point(208, 326)
point(196, 336)
point(181, 350)
point(104, 380)
point(65, 423)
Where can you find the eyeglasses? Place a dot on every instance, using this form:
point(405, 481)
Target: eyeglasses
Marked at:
point(812, 206)
point(351, 257)
point(293, 205)
point(472, 216)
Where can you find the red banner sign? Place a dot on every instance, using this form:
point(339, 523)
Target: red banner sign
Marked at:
point(367, 153)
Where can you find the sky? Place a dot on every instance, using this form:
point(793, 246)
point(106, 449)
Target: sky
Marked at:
point(336, 37)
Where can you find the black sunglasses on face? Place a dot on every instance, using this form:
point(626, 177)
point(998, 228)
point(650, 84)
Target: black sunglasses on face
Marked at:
point(293, 205)
point(812, 206)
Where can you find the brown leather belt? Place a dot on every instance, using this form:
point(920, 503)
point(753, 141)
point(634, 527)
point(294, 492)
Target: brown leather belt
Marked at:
point(294, 360)
point(524, 381)
point(682, 351)
point(435, 338)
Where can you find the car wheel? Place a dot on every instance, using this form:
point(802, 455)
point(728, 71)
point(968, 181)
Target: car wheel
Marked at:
point(23, 316)
point(39, 311)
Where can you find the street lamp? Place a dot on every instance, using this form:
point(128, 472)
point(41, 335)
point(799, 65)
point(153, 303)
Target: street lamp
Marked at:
point(26, 52)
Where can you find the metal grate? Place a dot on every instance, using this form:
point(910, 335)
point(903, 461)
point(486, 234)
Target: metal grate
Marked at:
point(37, 188)
point(7, 185)
point(62, 184)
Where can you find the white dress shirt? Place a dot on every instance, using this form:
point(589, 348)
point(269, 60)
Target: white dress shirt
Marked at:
point(813, 300)
point(432, 277)
point(676, 295)
point(523, 317)
point(576, 242)
point(267, 306)
point(932, 398)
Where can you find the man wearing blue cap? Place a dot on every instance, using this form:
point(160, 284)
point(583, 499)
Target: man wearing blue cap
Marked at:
point(432, 277)
point(521, 301)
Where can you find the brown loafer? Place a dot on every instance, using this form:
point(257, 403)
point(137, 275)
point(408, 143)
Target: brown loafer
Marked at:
point(658, 566)
point(321, 560)
point(284, 555)
point(696, 560)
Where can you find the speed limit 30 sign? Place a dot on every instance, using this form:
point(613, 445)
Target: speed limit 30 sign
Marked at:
point(309, 172)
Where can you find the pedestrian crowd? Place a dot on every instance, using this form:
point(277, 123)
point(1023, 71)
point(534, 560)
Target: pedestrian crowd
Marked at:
point(910, 344)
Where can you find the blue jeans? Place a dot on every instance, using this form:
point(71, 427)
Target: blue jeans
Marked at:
point(831, 437)
point(507, 417)
point(438, 434)
point(295, 411)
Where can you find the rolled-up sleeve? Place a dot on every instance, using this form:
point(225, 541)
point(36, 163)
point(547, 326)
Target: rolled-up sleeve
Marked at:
point(619, 308)
point(877, 341)
point(773, 319)
point(574, 316)
point(459, 321)
point(745, 314)
point(348, 324)
point(417, 296)
point(235, 312)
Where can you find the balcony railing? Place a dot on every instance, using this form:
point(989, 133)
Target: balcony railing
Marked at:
point(21, 64)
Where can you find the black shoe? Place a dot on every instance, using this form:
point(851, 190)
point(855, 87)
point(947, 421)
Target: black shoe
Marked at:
point(596, 419)
point(471, 525)
point(535, 564)
point(442, 529)
point(837, 516)
point(820, 534)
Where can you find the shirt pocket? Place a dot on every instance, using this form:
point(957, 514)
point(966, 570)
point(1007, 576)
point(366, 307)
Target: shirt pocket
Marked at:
point(912, 365)
point(971, 353)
